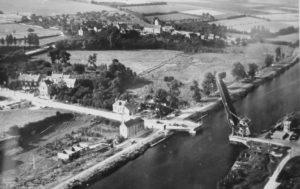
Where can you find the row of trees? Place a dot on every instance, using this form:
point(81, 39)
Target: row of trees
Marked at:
point(30, 39)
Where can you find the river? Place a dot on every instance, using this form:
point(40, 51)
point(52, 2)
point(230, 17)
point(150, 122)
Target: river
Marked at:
point(199, 162)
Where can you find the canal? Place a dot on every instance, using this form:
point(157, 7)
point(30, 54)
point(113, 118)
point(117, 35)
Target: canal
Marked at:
point(199, 162)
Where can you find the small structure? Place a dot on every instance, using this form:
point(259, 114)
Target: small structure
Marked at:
point(124, 107)
point(131, 128)
point(73, 152)
point(29, 81)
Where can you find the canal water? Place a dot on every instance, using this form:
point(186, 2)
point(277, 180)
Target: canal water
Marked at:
point(199, 162)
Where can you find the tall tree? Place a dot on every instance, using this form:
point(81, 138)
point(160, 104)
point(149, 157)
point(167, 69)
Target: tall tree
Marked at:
point(209, 83)
point(238, 71)
point(197, 92)
point(253, 68)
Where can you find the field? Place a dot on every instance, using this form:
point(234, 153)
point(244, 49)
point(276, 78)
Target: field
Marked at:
point(9, 18)
point(175, 16)
point(23, 116)
point(187, 68)
point(138, 61)
point(20, 30)
point(151, 9)
point(247, 23)
point(286, 38)
point(203, 11)
point(49, 7)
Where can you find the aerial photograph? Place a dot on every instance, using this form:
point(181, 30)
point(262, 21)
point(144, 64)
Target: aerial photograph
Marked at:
point(149, 94)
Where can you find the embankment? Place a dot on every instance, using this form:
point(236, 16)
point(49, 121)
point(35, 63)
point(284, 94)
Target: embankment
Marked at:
point(239, 90)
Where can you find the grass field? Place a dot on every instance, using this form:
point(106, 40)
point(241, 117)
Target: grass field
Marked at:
point(9, 18)
point(49, 7)
point(187, 68)
point(23, 116)
point(286, 38)
point(138, 61)
point(20, 30)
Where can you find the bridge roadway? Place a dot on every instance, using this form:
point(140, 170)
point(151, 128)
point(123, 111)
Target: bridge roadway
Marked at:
point(293, 152)
point(175, 123)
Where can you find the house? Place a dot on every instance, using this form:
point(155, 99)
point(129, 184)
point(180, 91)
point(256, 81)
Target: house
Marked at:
point(125, 107)
point(152, 29)
point(132, 127)
point(29, 81)
point(44, 88)
point(80, 32)
point(168, 29)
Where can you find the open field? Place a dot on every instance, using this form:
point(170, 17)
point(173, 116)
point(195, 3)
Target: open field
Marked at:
point(203, 11)
point(175, 16)
point(20, 30)
point(138, 61)
point(23, 116)
point(187, 68)
point(280, 17)
point(150, 9)
point(9, 18)
point(247, 23)
point(290, 38)
point(49, 7)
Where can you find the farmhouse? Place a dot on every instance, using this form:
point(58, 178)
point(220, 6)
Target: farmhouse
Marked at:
point(124, 107)
point(29, 81)
point(131, 128)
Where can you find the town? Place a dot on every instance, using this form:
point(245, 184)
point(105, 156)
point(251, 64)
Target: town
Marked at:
point(83, 91)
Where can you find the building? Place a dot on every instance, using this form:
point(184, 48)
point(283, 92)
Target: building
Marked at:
point(131, 128)
point(124, 107)
point(44, 88)
point(29, 81)
point(152, 29)
point(73, 152)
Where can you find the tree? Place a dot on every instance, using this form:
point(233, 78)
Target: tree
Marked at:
point(79, 68)
point(92, 60)
point(161, 96)
point(174, 86)
point(196, 89)
point(238, 71)
point(278, 53)
point(209, 84)
point(253, 68)
point(30, 30)
point(269, 60)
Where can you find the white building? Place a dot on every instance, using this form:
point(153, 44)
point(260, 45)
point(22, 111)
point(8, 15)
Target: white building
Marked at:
point(132, 128)
point(152, 29)
point(124, 107)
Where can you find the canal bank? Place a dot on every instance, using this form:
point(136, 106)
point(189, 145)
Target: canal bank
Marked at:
point(107, 167)
point(201, 161)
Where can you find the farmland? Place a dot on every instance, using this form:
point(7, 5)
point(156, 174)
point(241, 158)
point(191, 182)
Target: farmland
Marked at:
point(286, 38)
point(245, 24)
point(152, 9)
point(19, 30)
point(203, 11)
point(49, 7)
point(187, 68)
point(138, 61)
point(175, 16)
